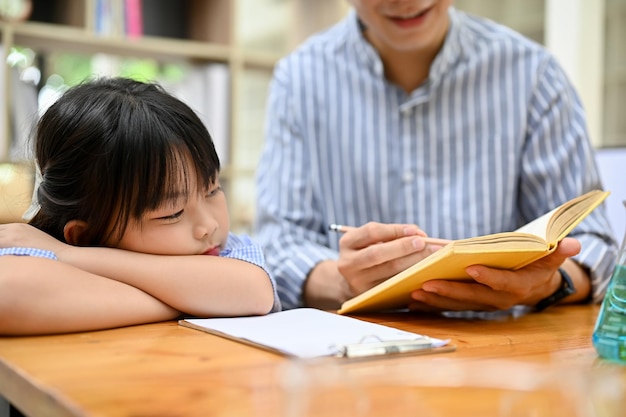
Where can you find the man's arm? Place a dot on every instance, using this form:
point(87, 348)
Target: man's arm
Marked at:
point(558, 165)
point(289, 221)
point(325, 288)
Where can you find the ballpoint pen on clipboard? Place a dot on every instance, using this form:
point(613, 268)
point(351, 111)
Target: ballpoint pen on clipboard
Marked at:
point(365, 349)
point(340, 228)
point(361, 350)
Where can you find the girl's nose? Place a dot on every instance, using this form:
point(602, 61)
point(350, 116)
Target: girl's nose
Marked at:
point(206, 225)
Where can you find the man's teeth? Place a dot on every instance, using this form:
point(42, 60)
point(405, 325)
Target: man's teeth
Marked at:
point(411, 16)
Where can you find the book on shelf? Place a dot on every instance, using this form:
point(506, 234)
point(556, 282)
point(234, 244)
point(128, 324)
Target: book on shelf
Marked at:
point(165, 18)
point(508, 250)
point(5, 137)
point(133, 18)
point(18, 118)
point(205, 89)
point(24, 114)
point(107, 18)
point(118, 17)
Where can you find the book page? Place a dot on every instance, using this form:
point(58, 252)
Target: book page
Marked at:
point(573, 214)
point(539, 226)
point(499, 241)
point(557, 224)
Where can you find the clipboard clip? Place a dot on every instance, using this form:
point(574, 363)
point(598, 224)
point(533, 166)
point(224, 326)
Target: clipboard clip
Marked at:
point(377, 348)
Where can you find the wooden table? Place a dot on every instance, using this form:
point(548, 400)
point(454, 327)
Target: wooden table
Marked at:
point(535, 365)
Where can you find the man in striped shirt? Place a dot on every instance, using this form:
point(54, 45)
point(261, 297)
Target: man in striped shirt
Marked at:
point(413, 113)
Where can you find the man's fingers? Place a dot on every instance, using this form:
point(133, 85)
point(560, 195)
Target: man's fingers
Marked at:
point(373, 233)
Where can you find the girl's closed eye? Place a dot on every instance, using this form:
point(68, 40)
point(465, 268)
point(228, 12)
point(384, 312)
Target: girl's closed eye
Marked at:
point(214, 191)
point(171, 217)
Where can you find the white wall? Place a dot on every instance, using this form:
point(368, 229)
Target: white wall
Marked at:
point(612, 165)
point(574, 32)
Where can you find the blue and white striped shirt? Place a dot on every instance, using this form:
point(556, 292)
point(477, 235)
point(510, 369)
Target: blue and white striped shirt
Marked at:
point(243, 248)
point(494, 138)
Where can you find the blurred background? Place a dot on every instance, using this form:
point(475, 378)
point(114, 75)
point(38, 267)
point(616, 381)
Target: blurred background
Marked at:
point(218, 55)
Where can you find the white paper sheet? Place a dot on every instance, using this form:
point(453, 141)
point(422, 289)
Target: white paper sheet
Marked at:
point(303, 332)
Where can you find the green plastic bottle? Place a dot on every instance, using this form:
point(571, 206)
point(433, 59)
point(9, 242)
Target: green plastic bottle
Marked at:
point(609, 335)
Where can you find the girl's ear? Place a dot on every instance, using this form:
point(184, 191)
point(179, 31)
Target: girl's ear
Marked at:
point(73, 232)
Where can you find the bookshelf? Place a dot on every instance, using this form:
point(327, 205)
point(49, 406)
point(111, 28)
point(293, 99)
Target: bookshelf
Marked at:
point(235, 43)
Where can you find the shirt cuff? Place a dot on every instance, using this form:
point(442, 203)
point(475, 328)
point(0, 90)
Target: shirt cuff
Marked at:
point(18, 251)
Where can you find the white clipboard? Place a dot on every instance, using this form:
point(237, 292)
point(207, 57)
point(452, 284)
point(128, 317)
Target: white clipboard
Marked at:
point(311, 333)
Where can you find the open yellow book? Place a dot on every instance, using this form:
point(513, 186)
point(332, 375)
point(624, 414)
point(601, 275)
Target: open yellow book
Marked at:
point(509, 250)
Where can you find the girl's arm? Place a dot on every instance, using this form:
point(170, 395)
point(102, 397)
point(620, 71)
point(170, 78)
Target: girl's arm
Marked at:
point(42, 296)
point(199, 285)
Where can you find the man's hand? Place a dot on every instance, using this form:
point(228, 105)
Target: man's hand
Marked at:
point(368, 255)
point(495, 289)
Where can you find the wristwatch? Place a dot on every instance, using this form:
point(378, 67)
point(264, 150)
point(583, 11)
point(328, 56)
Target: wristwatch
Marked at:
point(566, 288)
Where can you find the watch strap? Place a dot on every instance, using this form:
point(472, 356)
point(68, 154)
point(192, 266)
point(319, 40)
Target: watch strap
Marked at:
point(566, 288)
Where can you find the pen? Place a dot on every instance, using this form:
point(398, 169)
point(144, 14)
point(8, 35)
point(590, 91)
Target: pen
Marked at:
point(359, 350)
point(340, 228)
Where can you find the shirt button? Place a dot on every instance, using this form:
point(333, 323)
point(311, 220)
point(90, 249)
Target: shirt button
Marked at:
point(406, 111)
point(407, 177)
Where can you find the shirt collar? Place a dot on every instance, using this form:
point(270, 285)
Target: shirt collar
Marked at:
point(451, 50)
point(365, 51)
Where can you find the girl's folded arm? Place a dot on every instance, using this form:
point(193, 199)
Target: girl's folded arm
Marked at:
point(199, 285)
point(43, 296)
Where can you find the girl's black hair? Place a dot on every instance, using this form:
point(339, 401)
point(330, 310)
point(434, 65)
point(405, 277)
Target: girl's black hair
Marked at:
point(111, 149)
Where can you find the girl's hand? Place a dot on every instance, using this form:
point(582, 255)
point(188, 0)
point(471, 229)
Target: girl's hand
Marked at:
point(27, 236)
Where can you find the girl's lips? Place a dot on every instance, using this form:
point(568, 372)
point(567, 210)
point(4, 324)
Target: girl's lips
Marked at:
point(213, 251)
